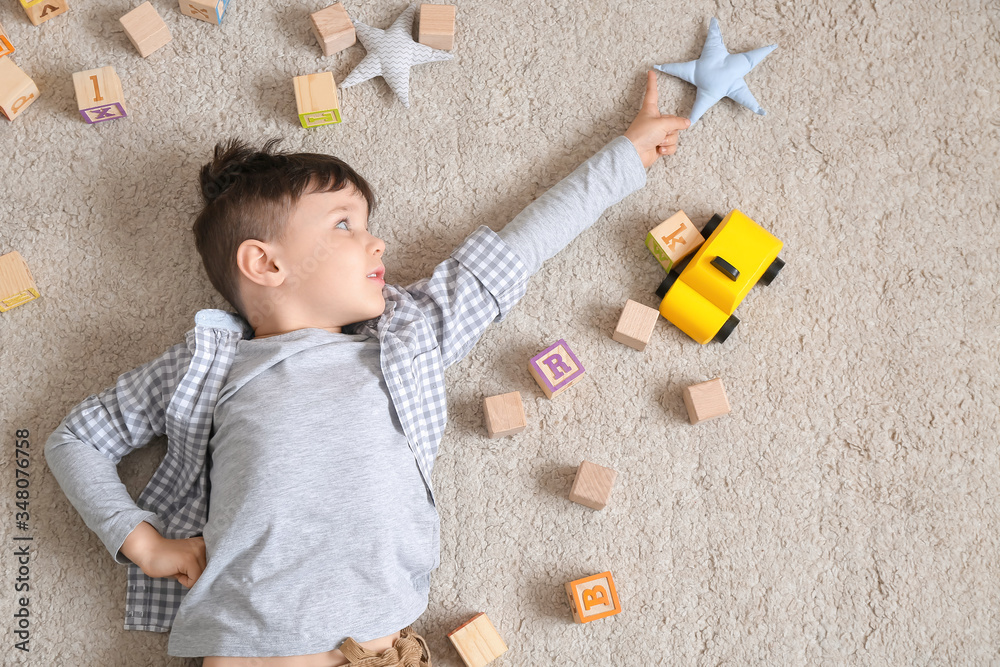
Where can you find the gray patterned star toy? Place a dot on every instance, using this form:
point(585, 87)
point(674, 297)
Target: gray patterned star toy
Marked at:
point(391, 54)
point(718, 73)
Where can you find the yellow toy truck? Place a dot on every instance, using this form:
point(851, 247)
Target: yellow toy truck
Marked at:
point(699, 297)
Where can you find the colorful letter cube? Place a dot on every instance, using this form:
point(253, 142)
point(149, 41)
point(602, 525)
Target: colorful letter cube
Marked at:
point(17, 90)
point(706, 400)
point(593, 597)
point(316, 99)
point(556, 368)
point(99, 94)
point(333, 28)
point(504, 414)
point(635, 325)
point(436, 26)
point(145, 29)
point(40, 11)
point(6, 48)
point(16, 284)
point(673, 240)
point(477, 641)
point(211, 11)
point(592, 486)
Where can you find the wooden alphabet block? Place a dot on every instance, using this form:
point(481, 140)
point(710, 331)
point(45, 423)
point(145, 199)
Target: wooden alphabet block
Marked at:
point(556, 368)
point(6, 48)
point(210, 11)
point(593, 597)
point(99, 94)
point(477, 641)
point(145, 29)
point(635, 325)
point(592, 486)
point(316, 99)
point(673, 239)
point(16, 284)
point(333, 28)
point(436, 26)
point(17, 90)
point(504, 414)
point(706, 400)
point(40, 11)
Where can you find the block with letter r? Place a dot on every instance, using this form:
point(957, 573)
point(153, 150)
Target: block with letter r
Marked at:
point(556, 368)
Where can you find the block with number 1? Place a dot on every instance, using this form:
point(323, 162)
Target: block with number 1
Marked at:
point(99, 95)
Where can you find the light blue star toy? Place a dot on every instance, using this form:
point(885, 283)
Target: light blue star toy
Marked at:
point(391, 54)
point(719, 73)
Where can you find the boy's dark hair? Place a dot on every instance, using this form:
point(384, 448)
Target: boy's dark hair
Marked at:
point(249, 194)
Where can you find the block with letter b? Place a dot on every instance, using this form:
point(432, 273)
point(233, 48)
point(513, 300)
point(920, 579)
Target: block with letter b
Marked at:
point(17, 90)
point(40, 11)
point(316, 99)
point(673, 239)
point(99, 94)
point(593, 597)
point(556, 368)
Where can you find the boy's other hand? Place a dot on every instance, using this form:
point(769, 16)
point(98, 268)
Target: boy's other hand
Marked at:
point(651, 133)
point(183, 559)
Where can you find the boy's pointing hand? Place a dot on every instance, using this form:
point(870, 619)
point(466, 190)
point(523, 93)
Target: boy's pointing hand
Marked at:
point(653, 134)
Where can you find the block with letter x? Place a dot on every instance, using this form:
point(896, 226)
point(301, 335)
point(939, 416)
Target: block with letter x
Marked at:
point(99, 94)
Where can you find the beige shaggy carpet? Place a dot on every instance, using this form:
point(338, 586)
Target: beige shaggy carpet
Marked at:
point(845, 512)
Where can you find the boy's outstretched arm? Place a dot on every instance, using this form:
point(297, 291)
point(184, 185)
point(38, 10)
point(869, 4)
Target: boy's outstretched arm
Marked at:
point(568, 208)
point(487, 274)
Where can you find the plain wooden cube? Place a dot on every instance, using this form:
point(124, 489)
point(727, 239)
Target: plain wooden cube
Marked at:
point(6, 48)
point(477, 641)
point(145, 29)
point(40, 11)
point(436, 26)
point(17, 90)
point(333, 28)
point(504, 414)
point(706, 400)
point(99, 95)
point(556, 368)
point(592, 486)
point(16, 284)
point(593, 597)
point(673, 239)
point(635, 325)
point(316, 99)
point(210, 11)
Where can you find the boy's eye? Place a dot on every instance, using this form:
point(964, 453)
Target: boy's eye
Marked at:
point(342, 222)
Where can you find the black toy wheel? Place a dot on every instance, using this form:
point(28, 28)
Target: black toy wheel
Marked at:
point(726, 329)
point(772, 271)
point(711, 226)
point(667, 283)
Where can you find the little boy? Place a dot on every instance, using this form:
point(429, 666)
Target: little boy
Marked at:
point(293, 511)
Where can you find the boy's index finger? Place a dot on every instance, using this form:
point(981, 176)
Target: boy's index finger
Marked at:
point(651, 100)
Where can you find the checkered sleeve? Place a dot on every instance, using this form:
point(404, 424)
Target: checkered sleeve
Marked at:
point(479, 283)
point(84, 451)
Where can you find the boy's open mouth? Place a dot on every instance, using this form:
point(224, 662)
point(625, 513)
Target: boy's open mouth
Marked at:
point(378, 274)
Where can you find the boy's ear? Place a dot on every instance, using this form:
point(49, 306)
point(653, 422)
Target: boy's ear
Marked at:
point(255, 260)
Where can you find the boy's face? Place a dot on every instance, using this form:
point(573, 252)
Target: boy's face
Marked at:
point(330, 257)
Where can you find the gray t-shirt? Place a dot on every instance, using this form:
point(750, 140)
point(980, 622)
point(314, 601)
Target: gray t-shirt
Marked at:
point(320, 526)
